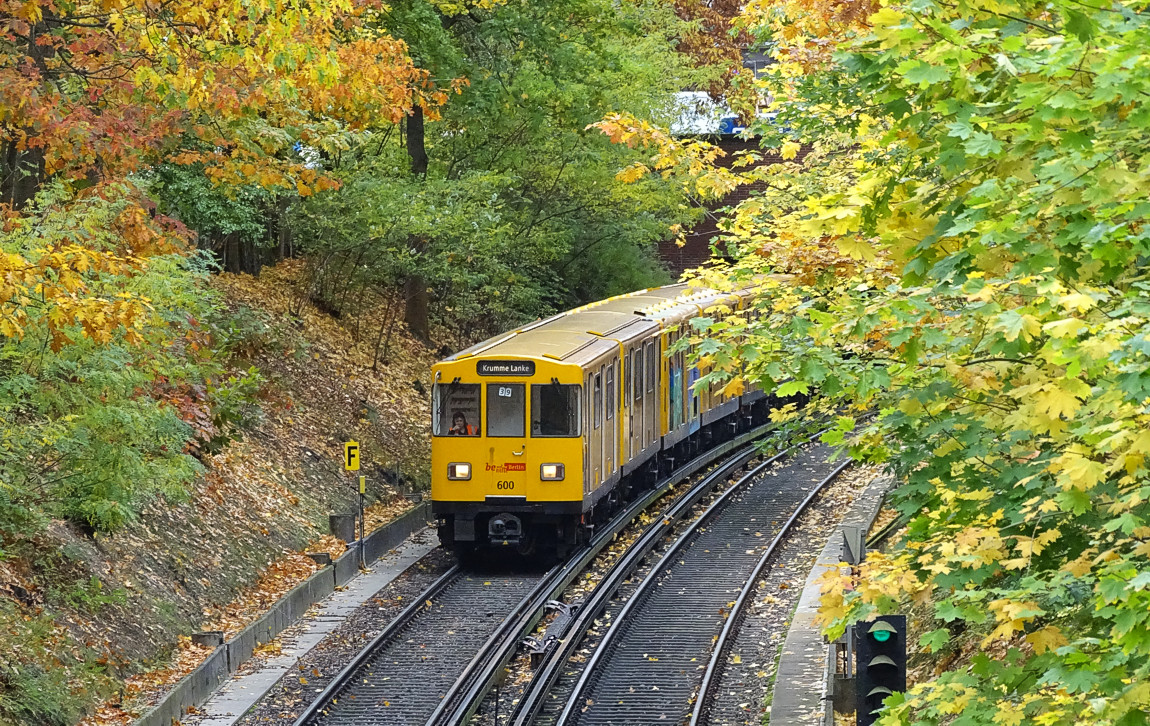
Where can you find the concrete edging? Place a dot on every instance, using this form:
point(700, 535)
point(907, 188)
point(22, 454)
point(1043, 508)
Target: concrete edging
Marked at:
point(196, 687)
point(800, 694)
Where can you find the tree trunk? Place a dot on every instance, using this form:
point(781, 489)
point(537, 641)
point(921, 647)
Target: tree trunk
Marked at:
point(21, 173)
point(415, 313)
point(415, 287)
point(416, 142)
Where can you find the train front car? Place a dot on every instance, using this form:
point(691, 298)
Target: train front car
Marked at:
point(507, 446)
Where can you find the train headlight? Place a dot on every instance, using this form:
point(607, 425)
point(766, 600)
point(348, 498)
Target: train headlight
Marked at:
point(458, 471)
point(551, 472)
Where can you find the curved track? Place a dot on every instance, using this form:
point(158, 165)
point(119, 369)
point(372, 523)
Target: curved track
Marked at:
point(652, 658)
point(435, 662)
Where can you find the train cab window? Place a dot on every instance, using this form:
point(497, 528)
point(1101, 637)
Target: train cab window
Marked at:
point(610, 391)
point(598, 388)
point(455, 409)
point(555, 410)
point(505, 407)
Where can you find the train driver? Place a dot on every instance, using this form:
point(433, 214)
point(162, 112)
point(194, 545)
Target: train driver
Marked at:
point(459, 425)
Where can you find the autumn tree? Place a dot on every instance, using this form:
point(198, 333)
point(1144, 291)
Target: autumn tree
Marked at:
point(94, 98)
point(505, 207)
point(967, 245)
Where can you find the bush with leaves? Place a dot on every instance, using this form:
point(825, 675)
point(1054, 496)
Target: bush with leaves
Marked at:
point(90, 385)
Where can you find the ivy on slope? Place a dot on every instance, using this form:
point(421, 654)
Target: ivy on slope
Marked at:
point(967, 243)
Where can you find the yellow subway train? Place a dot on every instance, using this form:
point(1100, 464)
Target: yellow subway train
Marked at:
point(541, 432)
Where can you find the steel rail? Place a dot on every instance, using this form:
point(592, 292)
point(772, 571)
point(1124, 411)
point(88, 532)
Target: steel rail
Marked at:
point(482, 671)
point(466, 695)
point(544, 679)
point(614, 629)
point(395, 626)
point(612, 638)
point(734, 620)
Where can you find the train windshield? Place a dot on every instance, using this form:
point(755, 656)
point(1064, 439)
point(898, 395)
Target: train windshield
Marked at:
point(455, 409)
point(505, 403)
point(555, 410)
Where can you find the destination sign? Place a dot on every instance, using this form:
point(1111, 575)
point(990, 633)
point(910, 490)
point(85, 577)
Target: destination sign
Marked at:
point(505, 367)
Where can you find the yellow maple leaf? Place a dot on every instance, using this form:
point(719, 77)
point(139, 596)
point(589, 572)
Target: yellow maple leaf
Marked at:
point(632, 173)
point(1080, 565)
point(1075, 470)
point(1076, 301)
point(790, 150)
point(1047, 638)
point(734, 387)
point(856, 248)
point(1064, 328)
point(1055, 402)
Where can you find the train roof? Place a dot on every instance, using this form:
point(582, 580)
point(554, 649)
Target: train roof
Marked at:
point(585, 333)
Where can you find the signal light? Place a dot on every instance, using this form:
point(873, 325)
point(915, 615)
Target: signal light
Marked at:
point(880, 664)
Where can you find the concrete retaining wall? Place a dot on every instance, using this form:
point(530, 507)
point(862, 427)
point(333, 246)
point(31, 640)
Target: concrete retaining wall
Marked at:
point(191, 691)
point(195, 688)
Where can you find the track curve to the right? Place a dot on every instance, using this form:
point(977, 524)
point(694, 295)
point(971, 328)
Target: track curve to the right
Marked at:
point(654, 663)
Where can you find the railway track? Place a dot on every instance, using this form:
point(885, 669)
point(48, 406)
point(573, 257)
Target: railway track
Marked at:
point(666, 636)
point(434, 663)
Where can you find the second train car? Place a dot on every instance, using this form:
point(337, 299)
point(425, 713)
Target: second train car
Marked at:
point(539, 433)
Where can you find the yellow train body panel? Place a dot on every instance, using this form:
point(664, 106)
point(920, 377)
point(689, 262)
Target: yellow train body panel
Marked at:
point(506, 466)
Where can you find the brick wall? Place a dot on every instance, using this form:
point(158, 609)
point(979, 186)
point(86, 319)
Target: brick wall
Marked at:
point(698, 247)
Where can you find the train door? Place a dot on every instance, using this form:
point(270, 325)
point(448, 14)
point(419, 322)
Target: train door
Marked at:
point(674, 387)
point(610, 432)
point(588, 437)
point(628, 423)
point(693, 400)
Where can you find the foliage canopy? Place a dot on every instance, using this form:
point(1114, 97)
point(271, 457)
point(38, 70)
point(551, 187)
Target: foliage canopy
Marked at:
point(968, 236)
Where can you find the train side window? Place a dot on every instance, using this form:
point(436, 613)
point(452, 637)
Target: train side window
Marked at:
point(610, 391)
point(598, 390)
point(555, 410)
point(638, 373)
point(628, 374)
point(505, 409)
point(455, 409)
point(652, 370)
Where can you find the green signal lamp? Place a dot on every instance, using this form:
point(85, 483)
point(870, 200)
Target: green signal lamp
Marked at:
point(881, 631)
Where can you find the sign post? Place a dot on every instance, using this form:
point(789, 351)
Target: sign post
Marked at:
point(362, 520)
point(351, 463)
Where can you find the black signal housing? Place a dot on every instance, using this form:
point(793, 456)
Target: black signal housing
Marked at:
point(880, 664)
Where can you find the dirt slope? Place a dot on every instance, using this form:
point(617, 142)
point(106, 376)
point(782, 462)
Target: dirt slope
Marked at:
point(265, 499)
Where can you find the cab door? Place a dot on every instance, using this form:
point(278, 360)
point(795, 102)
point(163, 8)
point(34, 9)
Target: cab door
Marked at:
point(506, 467)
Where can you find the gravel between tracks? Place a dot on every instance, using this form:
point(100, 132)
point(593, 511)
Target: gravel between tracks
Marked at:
point(283, 703)
point(749, 675)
